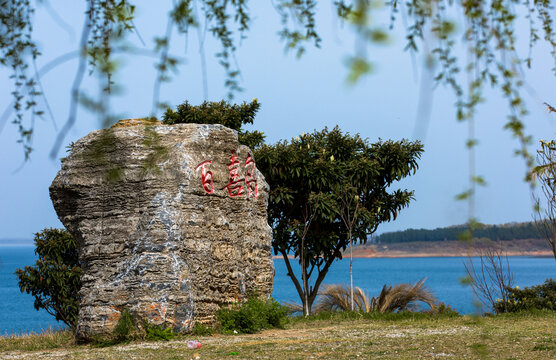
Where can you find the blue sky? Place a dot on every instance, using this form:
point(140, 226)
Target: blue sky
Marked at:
point(296, 96)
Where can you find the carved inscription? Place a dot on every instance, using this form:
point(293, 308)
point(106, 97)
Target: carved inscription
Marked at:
point(237, 186)
point(206, 176)
point(250, 182)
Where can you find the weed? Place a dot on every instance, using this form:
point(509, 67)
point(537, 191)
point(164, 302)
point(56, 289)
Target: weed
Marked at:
point(542, 347)
point(252, 316)
point(200, 329)
point(374, 315)
point(123, 332)
point(446, 310)
point(479, 348)
point(124, 327)
point(158, 332)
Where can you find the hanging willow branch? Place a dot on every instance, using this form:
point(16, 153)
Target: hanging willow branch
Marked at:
point(489, 32)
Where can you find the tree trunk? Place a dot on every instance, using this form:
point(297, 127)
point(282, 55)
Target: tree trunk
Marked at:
point(351, 270)
point(306, 305)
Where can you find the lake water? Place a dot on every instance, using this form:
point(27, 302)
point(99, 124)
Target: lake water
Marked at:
point(19, 316)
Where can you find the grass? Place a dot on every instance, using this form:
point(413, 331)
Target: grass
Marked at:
point(45, 340)
point(333, 336)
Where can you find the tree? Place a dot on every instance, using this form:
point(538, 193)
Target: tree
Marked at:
point(488, 28)
point(55, 279)
point(545, 173)
point(306, 176)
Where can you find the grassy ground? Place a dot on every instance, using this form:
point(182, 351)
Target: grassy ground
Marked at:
point(340, 336)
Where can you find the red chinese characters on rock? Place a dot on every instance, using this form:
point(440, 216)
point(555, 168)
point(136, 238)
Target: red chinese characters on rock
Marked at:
point(237, 184)
point(206, 176)
point(250, 182)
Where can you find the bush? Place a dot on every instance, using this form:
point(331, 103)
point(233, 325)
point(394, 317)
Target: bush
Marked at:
point(252, 316)
point(232, 116)
point(124, 328)
point(539, 297)
point(446, 310)
point(200, 329)
point(55, 279)
point(124, 332)
point(158, 332)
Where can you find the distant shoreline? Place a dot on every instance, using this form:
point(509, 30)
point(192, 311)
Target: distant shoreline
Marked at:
point(16, 242)
point(448, 248)
point(546, 254)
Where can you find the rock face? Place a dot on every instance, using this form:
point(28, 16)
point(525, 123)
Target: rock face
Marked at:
point(170, 221)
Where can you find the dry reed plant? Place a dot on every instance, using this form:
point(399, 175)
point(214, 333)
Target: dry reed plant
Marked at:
point(397, 298)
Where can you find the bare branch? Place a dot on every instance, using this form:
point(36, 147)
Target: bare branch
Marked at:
point(491, 279)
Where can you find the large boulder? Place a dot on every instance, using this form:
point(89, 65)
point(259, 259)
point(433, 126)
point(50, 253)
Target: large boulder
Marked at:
point(170, 222)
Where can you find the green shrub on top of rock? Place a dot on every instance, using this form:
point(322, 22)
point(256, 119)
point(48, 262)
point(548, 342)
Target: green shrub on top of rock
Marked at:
point(234, 116)
point(252, 316)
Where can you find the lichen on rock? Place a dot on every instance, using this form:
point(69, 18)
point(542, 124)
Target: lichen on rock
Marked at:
point(170, 221)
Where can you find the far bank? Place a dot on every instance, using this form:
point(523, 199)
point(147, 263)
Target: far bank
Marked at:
point(448, 248)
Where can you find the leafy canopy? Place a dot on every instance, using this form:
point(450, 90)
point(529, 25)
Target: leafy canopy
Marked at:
point(55, 279)
point(308, 178)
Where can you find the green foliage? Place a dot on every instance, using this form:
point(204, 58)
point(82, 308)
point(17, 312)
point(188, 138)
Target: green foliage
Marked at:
point(309, 180)
point(253, 139)
point(232, 116)
point(200, 329)
point(539, 297)
point(124, 328)
point(17, 52)
point(252, 316)
point(512, 231)
point(446, 310)
point(158, 332)
point(55, 279)
point(373, 316)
